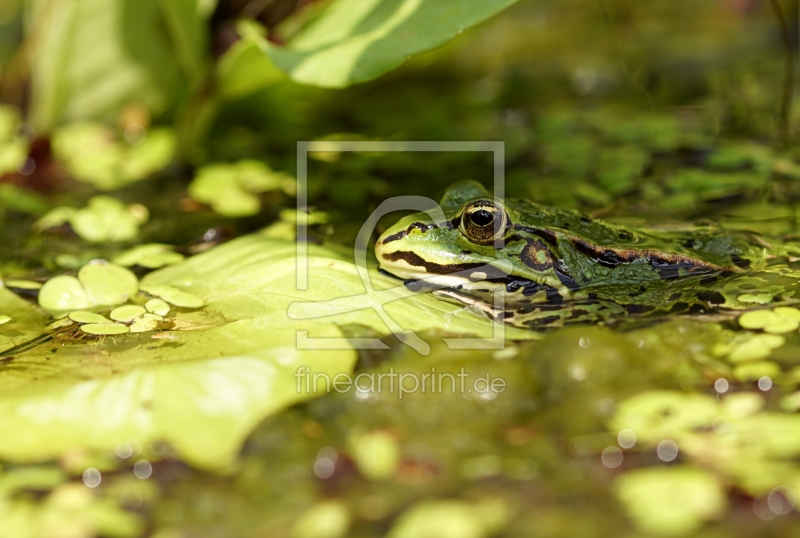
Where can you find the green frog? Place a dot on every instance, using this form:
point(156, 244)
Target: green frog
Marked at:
point(554, 267)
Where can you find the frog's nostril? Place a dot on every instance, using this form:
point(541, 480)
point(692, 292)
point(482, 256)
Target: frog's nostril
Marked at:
point(481, 217)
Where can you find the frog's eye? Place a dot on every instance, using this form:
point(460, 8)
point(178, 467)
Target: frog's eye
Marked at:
point(483, 221)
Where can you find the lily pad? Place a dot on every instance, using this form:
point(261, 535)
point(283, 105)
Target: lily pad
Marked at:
point(151, 256)
point(63, 293)
point(670, 501)
point(204, 407)
point(230, 189)
point(157, 306)
point(127, 313)
point(92, 153)
point(108, 284)
point(103, 219)
point(104, 328)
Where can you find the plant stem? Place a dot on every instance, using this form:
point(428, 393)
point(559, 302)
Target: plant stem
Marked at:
point(788, 76)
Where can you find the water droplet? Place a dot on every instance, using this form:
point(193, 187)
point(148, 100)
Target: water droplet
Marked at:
point(721, 385)
point(142, 469)
point(577, 373)
point(667, 450)
point(584, 342)
point(124, 450)
point(781, 500)
point(612, 457)
point(765, 383)
point(92, 477)
point(626, 438)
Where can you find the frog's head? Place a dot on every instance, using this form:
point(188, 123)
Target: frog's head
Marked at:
point(419, 247)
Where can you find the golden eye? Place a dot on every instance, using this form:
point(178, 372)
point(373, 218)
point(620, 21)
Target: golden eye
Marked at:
point(483, 222)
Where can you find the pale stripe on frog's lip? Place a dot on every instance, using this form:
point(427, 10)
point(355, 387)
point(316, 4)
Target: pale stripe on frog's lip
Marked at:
point(422, 227)
point(409, 263)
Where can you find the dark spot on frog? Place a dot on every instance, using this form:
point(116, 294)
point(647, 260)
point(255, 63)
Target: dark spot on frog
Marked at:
point(638, 292)
point(668, 269)
point(537, 256)
point(697, 309)
point(639, 308)
point(533, 289)
point(553, 296)
point(514, 285)
point(711, 297)
point(578, 312)
point(606, 258)
point(505, 315)
point(679, 307)
point(414, 285)
point(544, 321)
point(548, 236)
point(740, 262)
point(564, 276)
point(675, 296)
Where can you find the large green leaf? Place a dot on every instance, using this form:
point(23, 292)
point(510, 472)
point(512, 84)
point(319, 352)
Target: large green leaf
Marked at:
point(203, 408)
point(91, 57)
point(358, 40)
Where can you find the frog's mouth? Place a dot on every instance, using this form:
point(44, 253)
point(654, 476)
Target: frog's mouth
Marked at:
point(460, 276)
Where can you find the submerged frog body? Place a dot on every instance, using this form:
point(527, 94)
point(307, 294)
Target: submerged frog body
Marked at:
point(552, 266)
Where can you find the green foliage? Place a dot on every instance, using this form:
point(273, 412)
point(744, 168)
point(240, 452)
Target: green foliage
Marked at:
point(670, 501)
point(356, 40)
point(230, 189)
point(104, 219)
point(91, 153)
point(92, 57)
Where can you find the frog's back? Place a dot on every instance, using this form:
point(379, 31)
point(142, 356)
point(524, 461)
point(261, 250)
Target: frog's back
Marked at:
point(696, 247)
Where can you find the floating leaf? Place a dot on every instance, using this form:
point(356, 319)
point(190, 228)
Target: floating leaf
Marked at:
point(157, 306)
point(376, 454)
point(327, 519)
point(230, 188)
point(204, 408)
point(670, 501)
point(127, 313)
point(103, 219)
point(440, 519)
point(104, 328)
point(63, 293)
point(151, 256)
point(108, 284)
